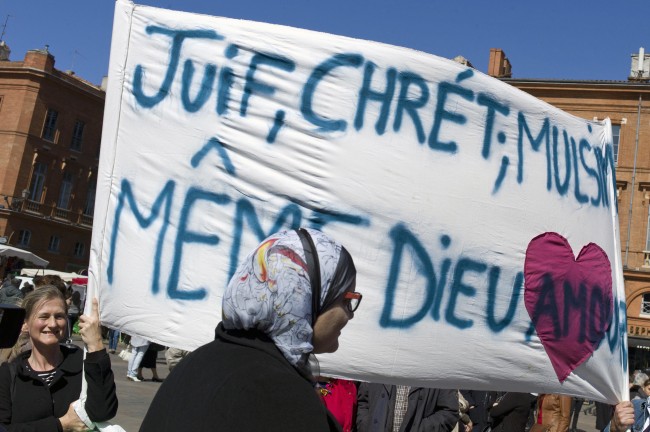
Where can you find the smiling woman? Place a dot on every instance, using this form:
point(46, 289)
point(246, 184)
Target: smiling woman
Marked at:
point(38, 388)
point(47, 325)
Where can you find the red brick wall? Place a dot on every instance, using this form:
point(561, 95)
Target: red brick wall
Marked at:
point(26, 96)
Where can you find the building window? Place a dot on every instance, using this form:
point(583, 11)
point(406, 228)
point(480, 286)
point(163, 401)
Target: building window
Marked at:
point(79, 249)
point(645, 304)
point(616, 136)
point(54, 244)
point(89, 207)
point(24, 237)
point(38, 180)
point(66, 191)
point(49, 128)
point(77, 135)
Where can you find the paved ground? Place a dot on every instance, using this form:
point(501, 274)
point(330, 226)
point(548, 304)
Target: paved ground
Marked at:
point(135, 397)
point(587, 421)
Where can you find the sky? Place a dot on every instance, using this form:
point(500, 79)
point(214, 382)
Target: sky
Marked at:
point(549, 39)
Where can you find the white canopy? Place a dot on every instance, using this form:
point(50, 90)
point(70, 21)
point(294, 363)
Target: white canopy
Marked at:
point(67, 277)
point(10, 251)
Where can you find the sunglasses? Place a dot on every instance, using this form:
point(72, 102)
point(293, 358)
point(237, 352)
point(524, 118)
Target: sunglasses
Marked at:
point(353, 300)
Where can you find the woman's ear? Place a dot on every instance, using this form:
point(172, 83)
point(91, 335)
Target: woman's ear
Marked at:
point(24, 329)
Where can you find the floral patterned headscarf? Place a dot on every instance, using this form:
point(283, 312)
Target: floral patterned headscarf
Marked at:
point(271, 290)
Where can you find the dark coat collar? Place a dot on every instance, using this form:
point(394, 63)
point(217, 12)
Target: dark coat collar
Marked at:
point(260, 341)
point(69, 366)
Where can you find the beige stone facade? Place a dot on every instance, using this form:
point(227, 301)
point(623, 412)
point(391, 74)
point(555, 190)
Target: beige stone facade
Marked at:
point(50, 131)
point(627, 104)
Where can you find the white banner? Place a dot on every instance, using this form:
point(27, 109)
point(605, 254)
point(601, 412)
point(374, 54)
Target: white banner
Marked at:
point(482, 220)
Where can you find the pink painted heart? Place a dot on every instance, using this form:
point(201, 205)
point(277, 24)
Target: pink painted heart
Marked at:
point(569, 299)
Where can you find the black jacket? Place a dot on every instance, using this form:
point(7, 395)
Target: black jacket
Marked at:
point(511, 413)
point(35, 407)
point(480, 403)
point(238, 382)
point(428, 409)
point(11, 294)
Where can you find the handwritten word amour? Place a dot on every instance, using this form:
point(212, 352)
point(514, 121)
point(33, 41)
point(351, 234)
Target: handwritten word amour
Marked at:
point(451, 282)
point(575, 167)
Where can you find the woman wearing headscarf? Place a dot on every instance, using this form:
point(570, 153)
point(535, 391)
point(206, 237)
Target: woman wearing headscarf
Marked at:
point(288, 299)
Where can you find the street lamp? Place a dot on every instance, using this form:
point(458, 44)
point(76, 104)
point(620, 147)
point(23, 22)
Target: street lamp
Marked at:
point(17, 203)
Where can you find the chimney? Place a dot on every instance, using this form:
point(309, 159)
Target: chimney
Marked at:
point(499, 66)
point(4, 51)
point(640, 68)
point(40, 59)
point(462, 60)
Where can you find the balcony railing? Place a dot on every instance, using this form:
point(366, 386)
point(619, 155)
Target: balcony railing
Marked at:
point(60, 213)
point(27, 206)
point(31, 206)
point(85, 219)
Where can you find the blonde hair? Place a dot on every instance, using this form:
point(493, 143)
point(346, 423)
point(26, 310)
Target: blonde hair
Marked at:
point(36, 298)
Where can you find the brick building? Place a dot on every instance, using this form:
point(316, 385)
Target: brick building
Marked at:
point(50, 131)
point(627, 104)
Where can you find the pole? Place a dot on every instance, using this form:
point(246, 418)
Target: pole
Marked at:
point(636, 150)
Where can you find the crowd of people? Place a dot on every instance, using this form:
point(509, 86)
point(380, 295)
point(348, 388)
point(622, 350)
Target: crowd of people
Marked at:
point(290, 298)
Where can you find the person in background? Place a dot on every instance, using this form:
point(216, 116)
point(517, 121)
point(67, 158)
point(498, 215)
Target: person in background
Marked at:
point(139, 346)
point(637, 387)
point(576, 406)
point(511, 411)
point(289, 298)
point(11, 294)
point(27, 288)
point(465, 422)
point(391, 408)
point(604, 414)
point(113, 340)
point(8, 354)
point(340, 398)
point(73, 298)
point(553, 413)
point(55, 280)
point(149, 361)
point(479, 404)
point(173, 356)
point(37, 389)
point(645, 389)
